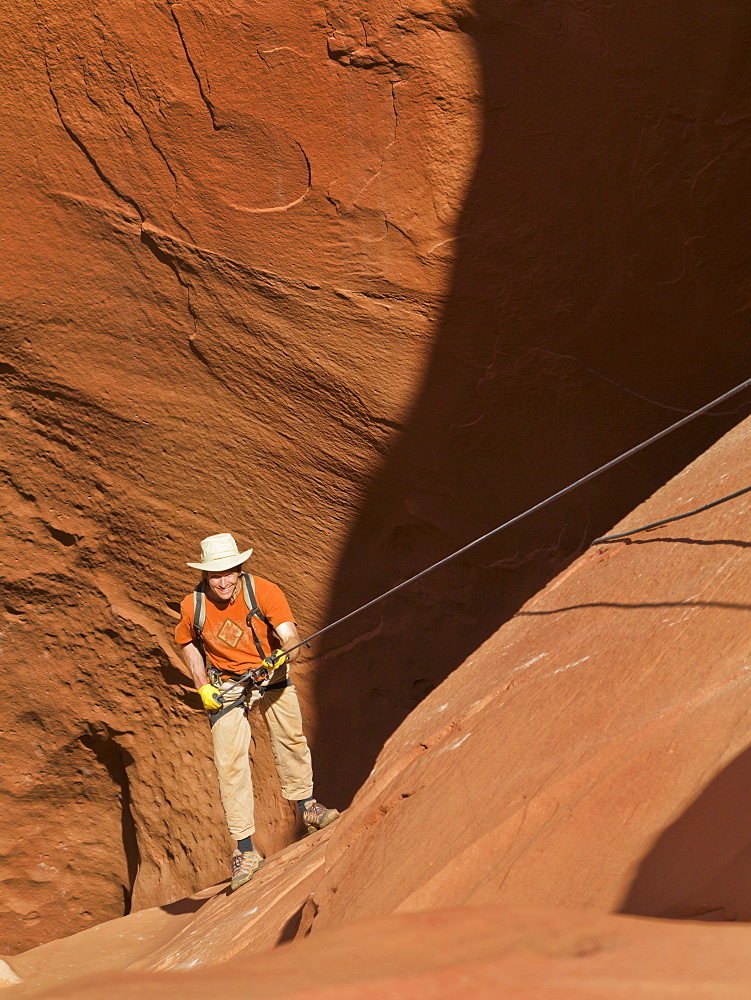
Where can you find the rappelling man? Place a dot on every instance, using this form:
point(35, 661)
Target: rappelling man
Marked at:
point(234, 633)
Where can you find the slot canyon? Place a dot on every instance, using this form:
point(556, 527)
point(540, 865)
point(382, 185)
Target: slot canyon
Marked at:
point(358, 283)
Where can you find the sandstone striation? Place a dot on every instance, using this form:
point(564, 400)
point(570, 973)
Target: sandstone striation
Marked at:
point(355, 282)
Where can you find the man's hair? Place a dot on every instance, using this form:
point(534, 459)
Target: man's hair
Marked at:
point(232, 569)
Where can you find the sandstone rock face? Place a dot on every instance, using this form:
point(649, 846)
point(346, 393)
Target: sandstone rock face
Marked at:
point(524, 953)
point(356, 282)
point(591, 756)
point(594, 753)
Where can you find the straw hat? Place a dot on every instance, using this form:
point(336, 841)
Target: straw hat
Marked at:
point(219, 552)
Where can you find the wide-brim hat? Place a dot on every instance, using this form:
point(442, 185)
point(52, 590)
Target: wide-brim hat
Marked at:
point(219, 552)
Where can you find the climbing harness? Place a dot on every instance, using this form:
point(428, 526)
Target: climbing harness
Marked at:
point(252, 678)
point(246, 683)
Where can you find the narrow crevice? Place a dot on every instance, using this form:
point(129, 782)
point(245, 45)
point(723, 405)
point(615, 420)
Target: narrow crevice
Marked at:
point(171, 262)
point(162, 156)
point(166, 258)
point(198, 353)
point(116, 760)
point(149, 136)
point(75, 138)
point(92, 160)
point(163, 256)
point(199, 82)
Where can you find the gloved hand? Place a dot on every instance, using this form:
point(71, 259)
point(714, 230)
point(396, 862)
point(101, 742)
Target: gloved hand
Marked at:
point(276, 661)
point(211, 697)
point(273, 662)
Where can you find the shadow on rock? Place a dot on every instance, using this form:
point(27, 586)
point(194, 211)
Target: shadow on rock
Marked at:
point(574, 304)
point(700, 866)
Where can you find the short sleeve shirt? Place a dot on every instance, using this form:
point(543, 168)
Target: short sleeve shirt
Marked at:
point(226, 636)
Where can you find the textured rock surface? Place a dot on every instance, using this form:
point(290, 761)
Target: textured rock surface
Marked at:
point(207, 928)
point(392, 262)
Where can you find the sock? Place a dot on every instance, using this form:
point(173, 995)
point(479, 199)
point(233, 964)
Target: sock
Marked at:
point(303, 804)
point(246, 844)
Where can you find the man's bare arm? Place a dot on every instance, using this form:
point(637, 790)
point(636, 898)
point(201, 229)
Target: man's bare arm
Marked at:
point(194, 662)
point(289, 635)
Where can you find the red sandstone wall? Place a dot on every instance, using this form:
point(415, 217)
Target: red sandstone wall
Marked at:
point(356, 283)
point(591, 756)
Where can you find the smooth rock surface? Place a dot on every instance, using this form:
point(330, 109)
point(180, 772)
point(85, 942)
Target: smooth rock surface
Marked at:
point(7, 976)
point(204, 929)
point(595, 752)
point(523, 953)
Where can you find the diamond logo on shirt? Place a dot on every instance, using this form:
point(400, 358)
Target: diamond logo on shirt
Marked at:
point(230, 633)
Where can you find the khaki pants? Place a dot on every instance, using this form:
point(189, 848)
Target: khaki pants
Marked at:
point(231, 736)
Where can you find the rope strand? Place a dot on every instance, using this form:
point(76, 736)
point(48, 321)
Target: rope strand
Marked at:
point(539, 506)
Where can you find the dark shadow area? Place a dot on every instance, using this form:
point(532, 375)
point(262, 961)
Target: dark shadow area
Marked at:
point(184, 906)
point(700, 867)
point(598, 287)
point(290, 929)
point(300, 923)
point(116, 760)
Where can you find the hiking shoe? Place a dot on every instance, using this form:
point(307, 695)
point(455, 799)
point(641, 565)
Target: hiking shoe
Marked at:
point(317, 816)
point(244, 865)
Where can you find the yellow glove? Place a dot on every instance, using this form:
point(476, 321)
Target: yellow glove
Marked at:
point(276, 661)
point(273, 662)
point(211, 697)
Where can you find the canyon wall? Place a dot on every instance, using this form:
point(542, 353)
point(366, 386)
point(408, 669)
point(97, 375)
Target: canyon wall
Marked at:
point(355, 282)
point(592, 756)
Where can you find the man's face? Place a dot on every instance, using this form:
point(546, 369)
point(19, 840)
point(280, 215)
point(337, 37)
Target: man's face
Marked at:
point(222, 585)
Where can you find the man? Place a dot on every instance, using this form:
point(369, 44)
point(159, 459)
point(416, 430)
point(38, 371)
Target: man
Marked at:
point(236, 639)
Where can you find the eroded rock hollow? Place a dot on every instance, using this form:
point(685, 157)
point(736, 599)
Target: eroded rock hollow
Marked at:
point(356, 282)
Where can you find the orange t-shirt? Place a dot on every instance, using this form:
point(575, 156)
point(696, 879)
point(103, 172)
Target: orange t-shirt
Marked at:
point(226, 636)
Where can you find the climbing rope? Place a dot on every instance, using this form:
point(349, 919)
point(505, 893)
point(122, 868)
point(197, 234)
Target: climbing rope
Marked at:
point(544, 503)
point(676, 517)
